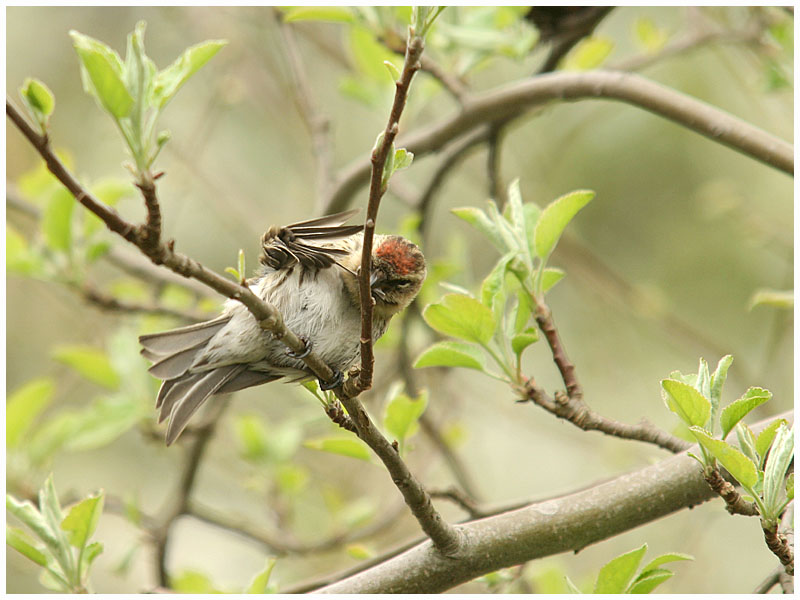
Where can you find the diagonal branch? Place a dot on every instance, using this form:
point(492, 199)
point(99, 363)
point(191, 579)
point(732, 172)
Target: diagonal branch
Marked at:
point(516, 99)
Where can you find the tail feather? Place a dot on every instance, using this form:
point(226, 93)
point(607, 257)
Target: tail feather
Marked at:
point(188, 404)
point(174, 365)
point(246, 379)
point(176, 340)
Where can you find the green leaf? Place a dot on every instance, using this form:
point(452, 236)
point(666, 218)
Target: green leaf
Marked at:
point(588, 54)
point(193, 582)
point(452, 354)
point(368, 54)
point(91, 552)
point(493, 287)
point(523, 310)
point(664, 559)
point(24, 405)
point(402, 159)
point(252, 436)
point(686, 402)
point(616, 575)
point(522, 340)
point(167, 82)
point(718, 378)
point(103, 74)
point(647, 584)
point(571, 587)
point(778, 461)
point(550, 277)
point(30, 516)
point(478, 219)
point(53, 515)
point(738, 409)
point(97, 250)
point(737, 464)
point(260, 582)
point(81, 520)
point(20, 257)
point(703, 384)
point(790, 487)
point(554, 219)
point(462, 317)
point(747, 443)
point(57, 221)
point(345, 446)
point(91, 363)
point(25, 545)
point(39, 100)
point(402, 415)
point(774, 298)
point(764, 439)
point(333, 14)
point(649, 36)
point(358, 551)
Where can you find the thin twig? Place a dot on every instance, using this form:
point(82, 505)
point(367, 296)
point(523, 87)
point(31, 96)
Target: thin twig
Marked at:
point(544, 319)
point(111, 304)
point(734, 503)
point(318, 124)
point(516, 99)
point(460, 498)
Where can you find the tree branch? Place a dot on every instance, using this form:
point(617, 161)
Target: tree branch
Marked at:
point(569, 523)
point(515, 99)
point(734, 503)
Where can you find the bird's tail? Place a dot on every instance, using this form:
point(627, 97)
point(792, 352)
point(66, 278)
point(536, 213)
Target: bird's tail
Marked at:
point(182, 391)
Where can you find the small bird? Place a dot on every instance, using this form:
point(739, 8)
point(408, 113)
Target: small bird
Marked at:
point(310, 274)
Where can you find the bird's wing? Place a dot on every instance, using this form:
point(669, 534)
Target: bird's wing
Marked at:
point(285, 247)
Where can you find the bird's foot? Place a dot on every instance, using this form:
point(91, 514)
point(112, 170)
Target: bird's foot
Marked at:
point(337, 380)
point(306, 351)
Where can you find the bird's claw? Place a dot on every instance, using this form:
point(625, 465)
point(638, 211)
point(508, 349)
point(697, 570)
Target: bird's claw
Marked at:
point(338, 379)
point(306, 351)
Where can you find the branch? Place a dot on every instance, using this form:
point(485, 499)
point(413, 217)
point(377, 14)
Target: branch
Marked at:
point(544, 319)
point(569, 523)
point(318, 124)
point(734, 503)
point(769, 582)
point(111, 304)
point(515, 99)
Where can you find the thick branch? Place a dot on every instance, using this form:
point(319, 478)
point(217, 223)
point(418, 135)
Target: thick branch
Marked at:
point(515, 99)
point(569, 523)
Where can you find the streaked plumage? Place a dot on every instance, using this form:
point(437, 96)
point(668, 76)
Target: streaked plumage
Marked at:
point(309, 275)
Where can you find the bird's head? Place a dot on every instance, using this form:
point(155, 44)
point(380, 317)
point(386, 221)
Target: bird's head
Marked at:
point(398, 271)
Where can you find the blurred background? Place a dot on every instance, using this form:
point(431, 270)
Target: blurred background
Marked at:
point(662, 268)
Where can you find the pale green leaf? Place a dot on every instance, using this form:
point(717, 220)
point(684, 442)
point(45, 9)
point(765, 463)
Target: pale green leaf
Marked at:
point(736, 463)
point(718, 378)
point(522, 340)
point(103, 74)
point(167, 82)
point(554, 219)
point(550, 277)
point(686, 402)
point(774, 298)
point(91, 363)
point(81, 520)
point(588, 54)
point(25, 545)
point(402, 415)
point(345, 446)
point(57, 221)
point(24, 405)
point(738, 409)
point(478, 219)
point(462, 317)
point(452, 354)
point(778, 461)
point(647, 584)
point(39, 100)
point(664, 559)
point(764, 439)
point(333, 14)
point(260, 582)
point(616, 575)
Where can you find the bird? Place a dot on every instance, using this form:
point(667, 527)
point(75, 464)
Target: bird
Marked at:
point(309, 273)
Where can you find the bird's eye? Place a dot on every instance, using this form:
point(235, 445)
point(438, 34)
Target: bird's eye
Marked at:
point(398, 283)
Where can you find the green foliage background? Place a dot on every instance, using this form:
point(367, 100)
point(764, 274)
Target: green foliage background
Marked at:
point(660, 269)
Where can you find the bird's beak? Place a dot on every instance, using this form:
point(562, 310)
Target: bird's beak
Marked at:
point(376, 292)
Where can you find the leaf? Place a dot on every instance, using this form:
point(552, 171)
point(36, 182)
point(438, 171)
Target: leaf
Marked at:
point(260, 582)
point(102, 74)
point(53, 515)
point(686, 402)
point(649, 36)
point(39, 100)
point(402, 159)
point(20, 257)
point(645, 585)
point(616, 575)
point(57, 221)
point(554, 219)
point(764, 439)
point(790, 487)
point(522, 340)
point(588, 54)
point(81, 520)
point(747, 443)
point(333, 14)
point(736, 463)
point(452, 354)
point(571, 587)
point(462, 317)
point(774, 298)
point(24, 544)
point(703, 384)
point(478, 219)
point(778, 461)
point(193, 582)
point(718, 378)
point(358, 551)
point(523, 311)
point(91, 363)
point(30, 516)
point(91, 552)
point(738, 409)
point(664, 559)
point(368, 54)
point(493, 286)
point(167, 82)
point(402, 415)
point(550, 277)
point(24, 405)
point(345, 446)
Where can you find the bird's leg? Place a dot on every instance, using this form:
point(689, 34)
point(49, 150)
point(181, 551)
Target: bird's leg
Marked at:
point(337, 380)
point(306, 351)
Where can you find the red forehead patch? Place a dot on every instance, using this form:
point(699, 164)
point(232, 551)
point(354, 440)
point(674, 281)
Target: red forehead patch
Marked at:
point(398, 253)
